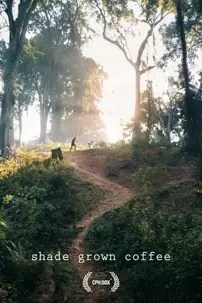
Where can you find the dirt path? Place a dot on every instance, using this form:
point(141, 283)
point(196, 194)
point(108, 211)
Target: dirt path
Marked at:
point(116, 195)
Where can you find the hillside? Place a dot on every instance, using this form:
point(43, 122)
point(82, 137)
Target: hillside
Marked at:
point(165, 197)
point(121, 200)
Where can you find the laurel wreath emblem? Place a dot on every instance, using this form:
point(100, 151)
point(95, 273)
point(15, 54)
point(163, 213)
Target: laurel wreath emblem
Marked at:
point(88, 275)
point(116, 282)
point(85, 281)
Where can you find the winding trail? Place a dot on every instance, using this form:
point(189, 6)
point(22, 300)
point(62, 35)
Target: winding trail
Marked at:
point(116, 195)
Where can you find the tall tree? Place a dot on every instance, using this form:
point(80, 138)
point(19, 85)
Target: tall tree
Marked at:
point(61, 29)
point(191, 127)
point(82, 116)
point(65, 82)
point(23, 95)
point(161, 117)
point(119, 18)
point(17, 30)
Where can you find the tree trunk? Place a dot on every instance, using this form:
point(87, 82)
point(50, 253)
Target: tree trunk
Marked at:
point(136, 127)
point(44, 112)
point(165, 129)
point(56, 126)
point(168, 133)
point(150, 114)
point(20, 124)
point(191, 129)
point(7, 113)
point(43, 123)
point(7, 135)
point(17, 30)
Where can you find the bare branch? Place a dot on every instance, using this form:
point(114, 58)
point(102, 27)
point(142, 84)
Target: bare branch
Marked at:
point(114, 42)
point(9, 12)
point(124, 42)
point(77, 11)
point(142, 46)
point(31, 8)
point(141, 6)
point(147, 69)
point(149, 34)
point(162, 16)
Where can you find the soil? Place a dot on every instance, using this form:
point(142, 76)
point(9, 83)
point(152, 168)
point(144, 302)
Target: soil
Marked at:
point(92, 168)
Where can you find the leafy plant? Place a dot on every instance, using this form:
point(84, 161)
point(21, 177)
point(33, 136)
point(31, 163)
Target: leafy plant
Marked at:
point(144, 225)
point(151, 176)
point(40, 204)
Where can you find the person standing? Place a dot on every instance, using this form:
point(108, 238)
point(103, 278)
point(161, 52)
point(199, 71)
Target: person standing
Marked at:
point(73, 144)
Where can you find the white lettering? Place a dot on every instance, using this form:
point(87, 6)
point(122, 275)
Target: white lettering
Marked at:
point(167, 257)
point(88, 257)
point(143, 254)
point(128, 257)
point(81, 258)
point(136, 257)
point(50, 257)
point(159, 257)
point(41, 256)
point(34, 257)
point(151, 254)
point(96, 257)
point(107, 257)
point(66, 257)
point(57, 256)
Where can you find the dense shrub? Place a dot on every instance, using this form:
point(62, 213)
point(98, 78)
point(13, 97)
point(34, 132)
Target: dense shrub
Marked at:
point(151, 176)
point(119, 157)
point(41, 201)
point(141, 159)
point(157, 153)
point(147, 225)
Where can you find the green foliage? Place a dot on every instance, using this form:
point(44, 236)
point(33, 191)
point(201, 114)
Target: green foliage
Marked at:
point(46, 147)
point(40, 205)
point(102, 145)
point(146, 225)
point(51, 69)
point(155, 153)
point(119, 157)
point(151, 176)
point(37, 194)
point(66, 281)
point(112, 169)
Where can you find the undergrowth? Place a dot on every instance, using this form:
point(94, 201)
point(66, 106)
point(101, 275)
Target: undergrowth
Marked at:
point(41, 201)
point(166, 219)
point(165, 223)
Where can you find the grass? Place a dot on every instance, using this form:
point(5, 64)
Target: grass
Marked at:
point(166, 218)
point(41, 202)
point(166, 222)
point(48, 146)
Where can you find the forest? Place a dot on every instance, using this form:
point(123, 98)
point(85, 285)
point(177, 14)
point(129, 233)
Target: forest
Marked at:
point(100, 151)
